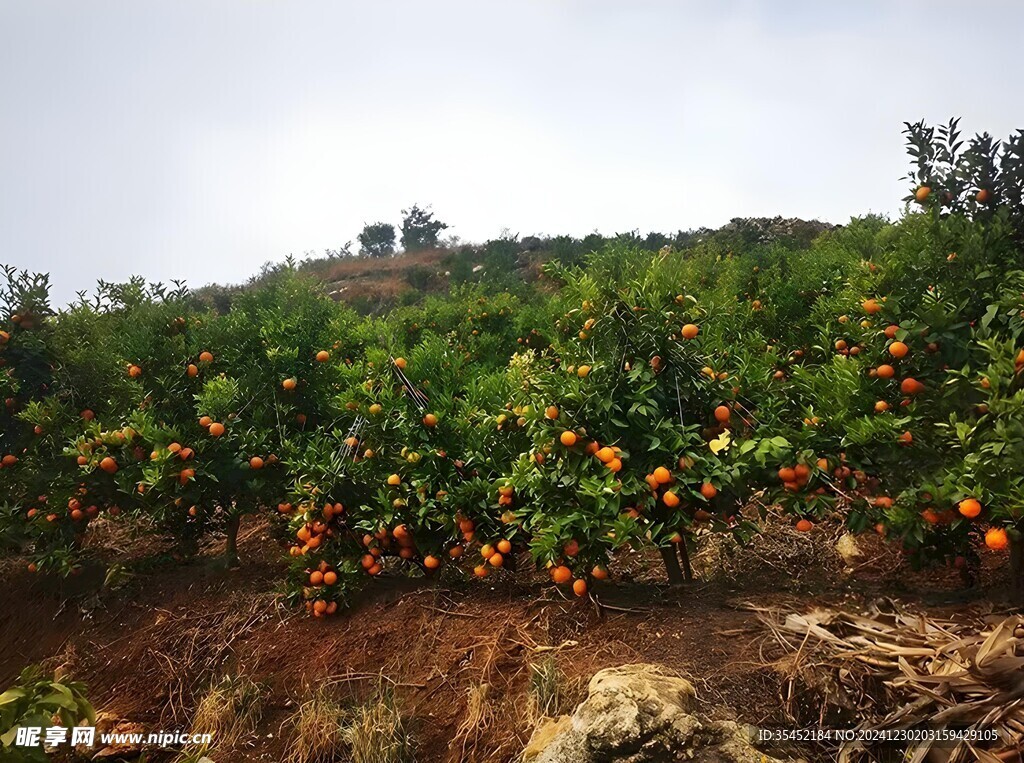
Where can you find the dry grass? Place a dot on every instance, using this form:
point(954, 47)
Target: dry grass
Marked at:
point(317, 730)
point(545, 689)
point(370, 731)
point(229, 711)
point(375, 731)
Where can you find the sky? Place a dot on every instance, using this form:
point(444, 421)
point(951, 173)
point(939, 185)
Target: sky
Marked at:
point(199, 140)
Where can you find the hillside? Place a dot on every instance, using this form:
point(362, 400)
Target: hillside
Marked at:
point(373, 285)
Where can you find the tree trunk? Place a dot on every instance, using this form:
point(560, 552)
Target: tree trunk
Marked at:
point(231, 551)
point(1017, 571)
point(668, 556)
point(684, 556)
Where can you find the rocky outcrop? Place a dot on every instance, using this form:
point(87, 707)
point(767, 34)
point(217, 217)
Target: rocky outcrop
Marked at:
point(639, 714)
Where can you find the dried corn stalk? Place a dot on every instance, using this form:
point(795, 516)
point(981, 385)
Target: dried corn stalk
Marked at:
point(897, 670)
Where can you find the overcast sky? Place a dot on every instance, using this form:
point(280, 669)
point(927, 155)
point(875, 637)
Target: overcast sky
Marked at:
point(198, 140)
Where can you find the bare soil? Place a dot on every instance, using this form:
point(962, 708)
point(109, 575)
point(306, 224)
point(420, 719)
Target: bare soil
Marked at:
point(147, 649)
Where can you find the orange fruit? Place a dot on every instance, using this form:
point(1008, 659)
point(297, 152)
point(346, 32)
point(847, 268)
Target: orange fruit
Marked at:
point(722, 414)
point(205, 357)
point(316, 578)
point(689, 331)
point(193, 370)
point(802, 472)
point(911, 386)
point(605, 454)
point(890, 331)
point(708, 490)
point(134, 371)
point(205, 421)
point(997, 539)
point(579, 587)
point(216, 429)
point(394, 480)
point(804, 525)
point(885, 371)
point(906, 438)
point(108, 464)
point(289, 384)
point(583, 372)
point(871, 306)
point(599, 572)
point(504, 546)
point(480, 570)
point(983, 196)
point(431, 562)
point(898, 350)
point(82, 460)
point(455, 552)
point(572, 548)
point(970, 507)
point(551, 412)
point(615, 465)
point(430, 420)
point(662, 475)
point(561, 574)
point(323, 356)
point(922, 193)
point(401, 363)
point(320, 606)
point(786, 474)
point(567, 438)
point(881, 406)
point(496, 560)
point(255, 462)
point(670, 499)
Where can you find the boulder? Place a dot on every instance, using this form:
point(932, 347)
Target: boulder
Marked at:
point(640, 714)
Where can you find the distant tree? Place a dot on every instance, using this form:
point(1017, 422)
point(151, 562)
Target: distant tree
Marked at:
point(377, 240)
point(419, 229)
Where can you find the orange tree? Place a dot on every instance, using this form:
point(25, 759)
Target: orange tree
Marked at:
point(640, 423)
point(406, 483)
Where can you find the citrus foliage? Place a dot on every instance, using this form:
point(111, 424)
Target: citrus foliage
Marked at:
point(33, 702)
point(630, 400)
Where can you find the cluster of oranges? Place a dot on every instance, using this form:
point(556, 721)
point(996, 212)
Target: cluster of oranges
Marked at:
point(323, 575)
point(561, 573)
point(661, 482)
point(315, 529)
point(610, 456)
point(215, 428)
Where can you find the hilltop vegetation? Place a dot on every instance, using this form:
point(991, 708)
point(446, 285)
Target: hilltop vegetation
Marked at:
point(640, 393)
